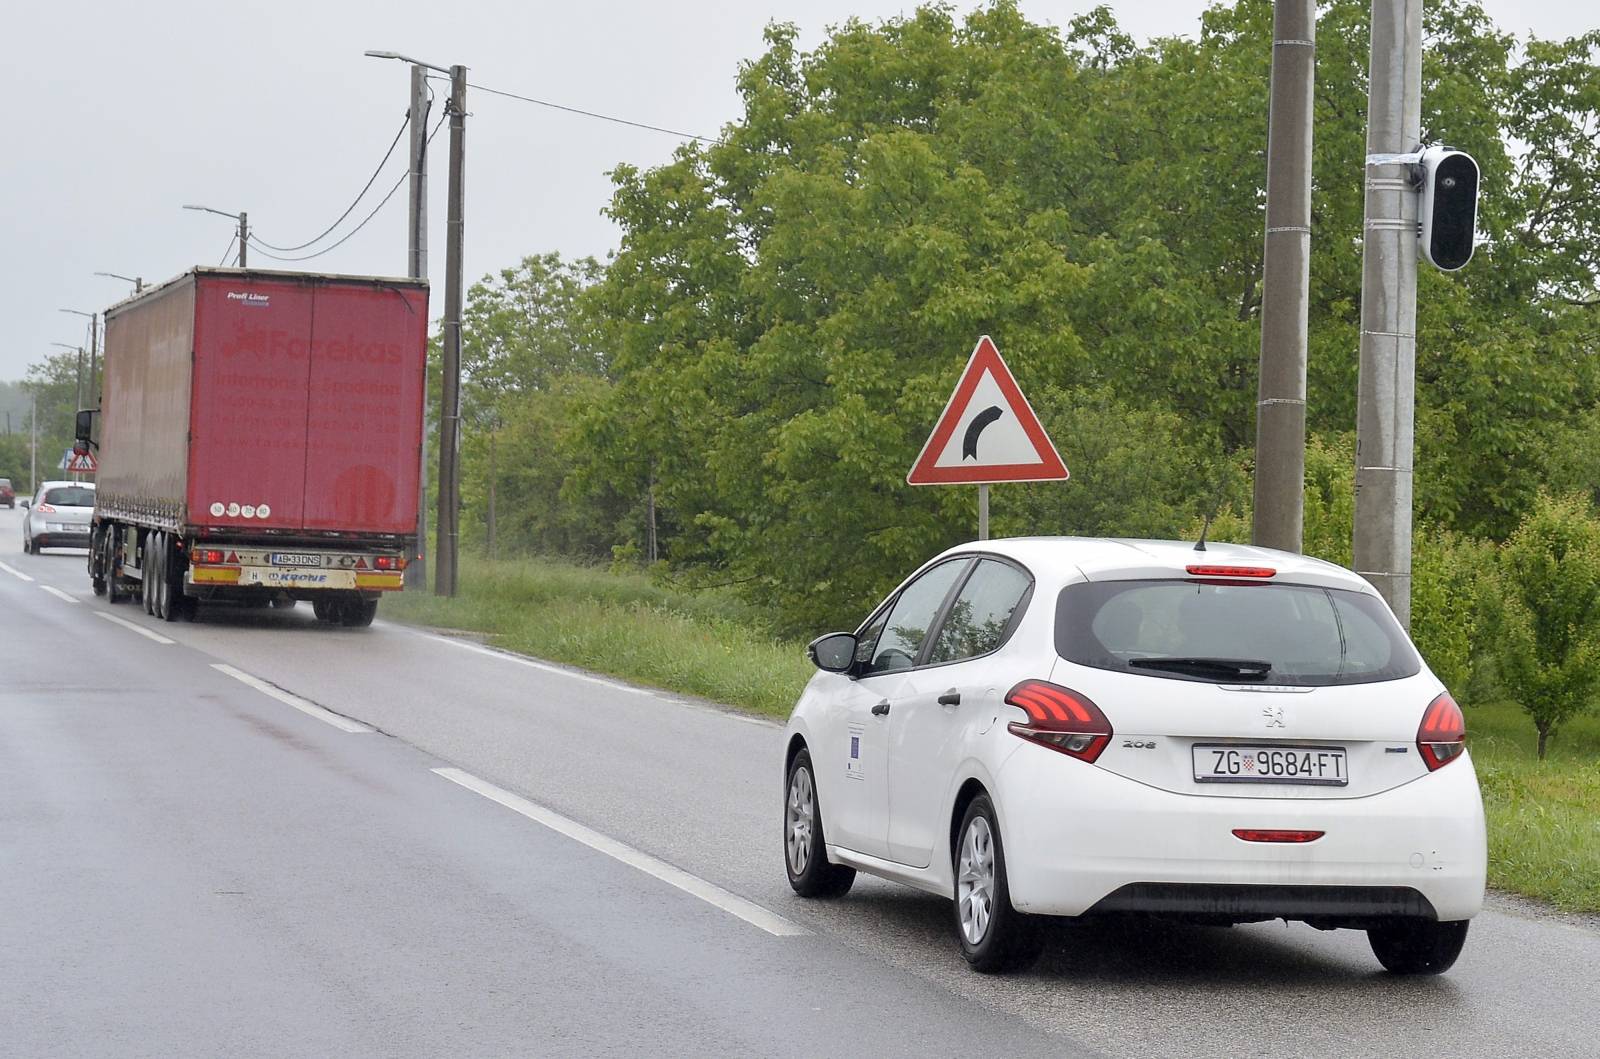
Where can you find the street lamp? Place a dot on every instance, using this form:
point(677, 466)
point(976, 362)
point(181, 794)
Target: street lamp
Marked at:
point(78, 350)
point(94, 353)
point(450, 410)
point(244, 227)
point(137, 281)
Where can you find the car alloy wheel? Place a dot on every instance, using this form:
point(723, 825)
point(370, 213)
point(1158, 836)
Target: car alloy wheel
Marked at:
point(805, 854)
point(797, 821)
point(975, 881)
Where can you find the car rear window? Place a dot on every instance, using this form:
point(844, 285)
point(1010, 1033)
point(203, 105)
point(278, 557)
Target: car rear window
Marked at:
point(70, 496)
point(1223, 632)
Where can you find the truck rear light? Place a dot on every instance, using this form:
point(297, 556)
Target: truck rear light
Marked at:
point(208, 556)
point(389, 562)
point(1442, 735)
point(1060, 719)
point(1249, 834)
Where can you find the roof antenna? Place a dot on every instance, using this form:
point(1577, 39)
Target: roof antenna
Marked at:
point(1216, 506)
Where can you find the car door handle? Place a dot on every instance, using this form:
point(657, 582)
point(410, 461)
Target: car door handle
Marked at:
point(950, 698)
point(881, 709)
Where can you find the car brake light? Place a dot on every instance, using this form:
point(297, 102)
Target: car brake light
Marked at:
point(1060, 719)
point(1442, 735)
point(1258, 835)
point(1231, 571)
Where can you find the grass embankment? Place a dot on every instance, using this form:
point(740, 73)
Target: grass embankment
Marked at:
point(1544, 817)
point(706, 644)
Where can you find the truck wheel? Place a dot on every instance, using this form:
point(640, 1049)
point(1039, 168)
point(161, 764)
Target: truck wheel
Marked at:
point(358, 613)
point(160, 596)
point(173, 602)
point(115, 592)
point(320, 608)
point(147, 582)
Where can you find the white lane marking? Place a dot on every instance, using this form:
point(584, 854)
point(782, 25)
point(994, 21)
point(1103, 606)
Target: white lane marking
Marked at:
point(59, 594)
point(134, 627)
point(531, 664)
point(310, 709)
point(710, 893)
point(14, 572)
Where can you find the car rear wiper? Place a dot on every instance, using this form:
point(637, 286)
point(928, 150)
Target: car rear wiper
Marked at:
point(1226, 668)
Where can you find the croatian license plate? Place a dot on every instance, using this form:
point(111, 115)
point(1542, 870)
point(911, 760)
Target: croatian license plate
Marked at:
point(296, 559)
point(1326, 766)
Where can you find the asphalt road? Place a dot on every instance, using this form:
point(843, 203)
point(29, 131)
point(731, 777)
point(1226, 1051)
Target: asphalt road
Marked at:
point(420, 846)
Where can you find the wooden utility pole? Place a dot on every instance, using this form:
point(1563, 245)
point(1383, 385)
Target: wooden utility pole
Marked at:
point(1279, 512)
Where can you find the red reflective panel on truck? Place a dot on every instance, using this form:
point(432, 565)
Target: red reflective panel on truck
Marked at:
point(247, 454)
point(362, 431)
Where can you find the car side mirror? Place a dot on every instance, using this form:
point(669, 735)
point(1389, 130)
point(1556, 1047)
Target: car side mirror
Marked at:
point(833, 653)
point(24, 503)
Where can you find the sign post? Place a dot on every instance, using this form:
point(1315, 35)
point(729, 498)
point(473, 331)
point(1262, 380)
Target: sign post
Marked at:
point(987, 433)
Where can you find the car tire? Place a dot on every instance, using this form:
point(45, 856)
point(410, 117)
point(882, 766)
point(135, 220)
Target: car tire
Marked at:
point(27, 544)
point(994, 936)
point(805, 850)
point(1418, 946)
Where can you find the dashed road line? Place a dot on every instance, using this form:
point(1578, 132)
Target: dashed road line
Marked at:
point(305, 706)
point(14, 572)
point(708, 892)
point(56, 592)
point(134, 627)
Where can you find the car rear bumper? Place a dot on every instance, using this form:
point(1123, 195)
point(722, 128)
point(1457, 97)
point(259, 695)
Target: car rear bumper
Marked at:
point(1103, 843)
point(62, 540)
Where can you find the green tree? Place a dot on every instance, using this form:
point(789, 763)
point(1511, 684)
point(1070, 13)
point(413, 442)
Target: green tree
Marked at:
point(790, 306)
point(1549, 625)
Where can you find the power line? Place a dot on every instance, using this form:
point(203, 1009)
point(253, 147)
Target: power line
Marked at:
point(228, 252)
point(591, 114)
point(260, 243)
point(334, 246)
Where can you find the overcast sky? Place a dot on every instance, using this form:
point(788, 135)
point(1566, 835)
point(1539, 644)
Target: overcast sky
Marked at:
point(120, 113)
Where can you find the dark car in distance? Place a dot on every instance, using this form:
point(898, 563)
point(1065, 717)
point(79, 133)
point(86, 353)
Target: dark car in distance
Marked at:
point(8, 495)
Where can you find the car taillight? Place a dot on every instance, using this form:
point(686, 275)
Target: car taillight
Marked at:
point(46, 508)
point(1060, 719)
point(1442, 735)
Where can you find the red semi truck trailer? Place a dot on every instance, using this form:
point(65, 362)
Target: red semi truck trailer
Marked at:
point(260, 441)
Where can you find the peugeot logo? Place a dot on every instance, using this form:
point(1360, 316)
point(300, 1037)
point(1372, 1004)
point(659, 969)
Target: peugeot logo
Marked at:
point(1274, 716)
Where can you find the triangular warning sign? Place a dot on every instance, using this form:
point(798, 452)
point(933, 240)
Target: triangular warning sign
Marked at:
point(987, 432)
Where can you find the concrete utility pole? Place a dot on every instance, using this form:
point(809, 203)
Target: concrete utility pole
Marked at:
point(417, 268)
point(1286, 280)
point(450, 413)
point(1386, 393)
point(450, 417)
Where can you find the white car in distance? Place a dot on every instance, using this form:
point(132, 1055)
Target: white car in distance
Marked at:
point(1072, 726)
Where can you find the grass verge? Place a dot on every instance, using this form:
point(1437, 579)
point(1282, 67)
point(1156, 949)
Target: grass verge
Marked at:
point(1544, 817)
point(703, 644)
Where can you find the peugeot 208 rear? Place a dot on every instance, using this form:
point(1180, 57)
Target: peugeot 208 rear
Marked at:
point(1226, 736)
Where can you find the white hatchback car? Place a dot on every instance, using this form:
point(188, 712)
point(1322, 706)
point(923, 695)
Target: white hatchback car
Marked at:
point(1070, 726)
